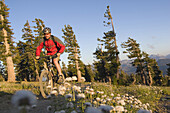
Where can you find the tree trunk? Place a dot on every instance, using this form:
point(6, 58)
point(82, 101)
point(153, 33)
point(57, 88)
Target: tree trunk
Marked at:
point(77, 66)
point(150, 76)
point(10, 65)
point(117, 57)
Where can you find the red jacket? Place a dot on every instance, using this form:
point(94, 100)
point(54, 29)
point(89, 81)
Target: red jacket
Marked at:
point(50, 46)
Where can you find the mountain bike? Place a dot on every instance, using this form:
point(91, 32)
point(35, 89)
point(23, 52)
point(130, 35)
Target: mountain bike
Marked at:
point(47, 78)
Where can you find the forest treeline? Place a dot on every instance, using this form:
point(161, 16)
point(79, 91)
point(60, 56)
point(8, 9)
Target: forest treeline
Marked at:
point(18, 63)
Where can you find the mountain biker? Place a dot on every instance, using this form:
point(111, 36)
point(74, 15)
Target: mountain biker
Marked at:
point(54, 47)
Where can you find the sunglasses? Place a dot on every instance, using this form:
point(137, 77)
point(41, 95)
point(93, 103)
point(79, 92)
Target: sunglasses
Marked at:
point(46, 33)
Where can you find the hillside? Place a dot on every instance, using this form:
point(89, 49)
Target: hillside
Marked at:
point(161, 60)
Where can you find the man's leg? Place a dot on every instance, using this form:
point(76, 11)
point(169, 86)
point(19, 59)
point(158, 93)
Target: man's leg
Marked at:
point(55, 60)
point(60, 75)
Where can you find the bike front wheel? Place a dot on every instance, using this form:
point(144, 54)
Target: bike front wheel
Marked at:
point(46, 83)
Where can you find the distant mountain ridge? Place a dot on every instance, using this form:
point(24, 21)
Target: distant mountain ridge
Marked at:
point(157, 57)
point(161, 60)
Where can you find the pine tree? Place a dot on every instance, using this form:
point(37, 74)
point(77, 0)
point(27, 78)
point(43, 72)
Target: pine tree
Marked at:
point(21, 62)
point(134, 52)
point(111, 43)
point(26, 57)
point(64, 69)
point(89, 74)
point(158, 76)
point(149, 62)
point(72, 48)
point(168, 73)
point(7, 47)
point(38, 31)
point(101, 64)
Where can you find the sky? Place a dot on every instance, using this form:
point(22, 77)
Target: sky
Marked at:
point(146, 21)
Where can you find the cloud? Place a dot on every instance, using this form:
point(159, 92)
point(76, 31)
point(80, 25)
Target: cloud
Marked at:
point(150, 46)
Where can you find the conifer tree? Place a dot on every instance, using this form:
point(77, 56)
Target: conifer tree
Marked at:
point(158, 76)
point(7, 47)
point(168, 73)
point(28, 51)
point(101, 64)
point(108, 59)
point(64, 69)
point(38, 31)
point(134, 52)
point(21, 62)
point(111, 43)
point(148, 64)
point(72, 48)
point(89, 75)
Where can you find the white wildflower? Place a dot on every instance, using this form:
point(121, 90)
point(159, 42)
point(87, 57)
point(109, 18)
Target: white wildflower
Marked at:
point(126, 95)
point(138, 101)
point(87, 88)
point(118, 95)
point(92, 93)
point(23, 98)
point(98, 99)
point(82, 79)
point(74, 78)
point(68, 79)
point(108, 99)
point(103, 101)
point(95, 102)
point(91, 89)
point(53, 92)
point(81, 96)
point(78, 89)
point(147, 104)
point(101, 92)
point(62, 90)
point(112, 94)
point(119, 108)
point(66, 84)
point(144, 106)
point(103, 96)
point(136, 106)
point(122, 102)
point(117, 98)
point(49, 87)
point(55, 88)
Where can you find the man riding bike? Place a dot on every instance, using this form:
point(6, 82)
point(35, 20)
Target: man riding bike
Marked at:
point(54, 47)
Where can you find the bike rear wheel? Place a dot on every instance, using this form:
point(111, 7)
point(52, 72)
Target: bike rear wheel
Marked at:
point(46, 83)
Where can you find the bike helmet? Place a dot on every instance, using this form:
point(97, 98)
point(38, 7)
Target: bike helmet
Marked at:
point(46, 30)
